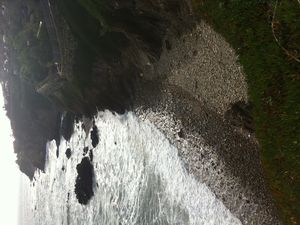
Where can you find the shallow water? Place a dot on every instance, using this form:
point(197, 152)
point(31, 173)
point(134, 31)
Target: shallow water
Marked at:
point(139, 180)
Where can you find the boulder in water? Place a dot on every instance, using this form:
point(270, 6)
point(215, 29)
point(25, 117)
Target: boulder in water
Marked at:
point(91, 155)
point(85, 150)
point(68, 153)
point(84, 181)
point(95, 136)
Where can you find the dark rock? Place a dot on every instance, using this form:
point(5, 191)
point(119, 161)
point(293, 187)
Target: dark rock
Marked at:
point(168, 45)
point(95, 136)
point(85, 150)
point(67, 125)
point(91, 155)
point(240, 115)
point(84, 181)
point(181, 134)
point(105, 70)
point(34, 121)
point(114, 58)
point(68, 153)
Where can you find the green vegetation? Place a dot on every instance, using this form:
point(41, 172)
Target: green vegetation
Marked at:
point(33, 54)
point(273, 76)
point(96, 9)
point(32, 51)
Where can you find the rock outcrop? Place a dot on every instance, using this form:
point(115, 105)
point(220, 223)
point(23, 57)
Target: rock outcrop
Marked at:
point(68, 153)
point(240, 115)
point(116, 41)
point(97, 61)
point(84, 181)
point(34, 121)
point(95, 136)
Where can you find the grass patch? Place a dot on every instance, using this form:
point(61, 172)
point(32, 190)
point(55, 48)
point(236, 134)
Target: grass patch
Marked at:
point(273, 84)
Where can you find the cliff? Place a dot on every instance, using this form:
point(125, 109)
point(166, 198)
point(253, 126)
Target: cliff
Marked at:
point(60, 62)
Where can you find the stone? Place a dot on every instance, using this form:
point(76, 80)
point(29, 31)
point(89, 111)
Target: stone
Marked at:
point(84, 181)
point(95, 136)
point(68, 153)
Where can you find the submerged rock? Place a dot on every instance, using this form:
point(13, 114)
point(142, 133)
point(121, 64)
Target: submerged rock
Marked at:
point(91, 155)
point(84, 181)
point(68, 153)
point(85, 150)
point(95, 136)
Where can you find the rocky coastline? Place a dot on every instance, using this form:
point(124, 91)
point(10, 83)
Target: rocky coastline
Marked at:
point(156, 59)
point(106, 65)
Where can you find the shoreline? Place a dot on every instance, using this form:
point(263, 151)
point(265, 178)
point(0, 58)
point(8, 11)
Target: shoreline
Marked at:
point(231, 167)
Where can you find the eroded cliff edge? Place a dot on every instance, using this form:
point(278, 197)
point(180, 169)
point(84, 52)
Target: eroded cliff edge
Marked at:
point(60, 62)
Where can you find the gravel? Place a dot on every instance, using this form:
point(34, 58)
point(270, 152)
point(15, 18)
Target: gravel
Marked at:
point(185, 95)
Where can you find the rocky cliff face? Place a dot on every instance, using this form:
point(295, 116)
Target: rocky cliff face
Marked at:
point(113, 43)
point(116, 41)
point(34, 121)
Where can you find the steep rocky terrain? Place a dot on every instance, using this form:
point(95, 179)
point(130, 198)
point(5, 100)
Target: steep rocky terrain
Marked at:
point(59, 66)
point(85, 63)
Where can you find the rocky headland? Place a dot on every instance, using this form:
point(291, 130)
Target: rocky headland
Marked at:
point(94, 62)
point(153, 57)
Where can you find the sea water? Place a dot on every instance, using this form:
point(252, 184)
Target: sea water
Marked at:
point(139, 180)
